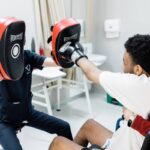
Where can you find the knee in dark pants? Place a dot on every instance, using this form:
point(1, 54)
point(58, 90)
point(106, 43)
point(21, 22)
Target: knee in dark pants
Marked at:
point(66, 131)
point(66, 125)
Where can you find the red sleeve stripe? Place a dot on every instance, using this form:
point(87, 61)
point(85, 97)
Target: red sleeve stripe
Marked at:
point(141, 125)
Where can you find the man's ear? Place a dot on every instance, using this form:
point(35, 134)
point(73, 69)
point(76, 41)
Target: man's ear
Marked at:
point(138, 70)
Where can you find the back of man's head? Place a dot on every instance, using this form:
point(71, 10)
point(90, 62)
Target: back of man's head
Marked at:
point(138, 48)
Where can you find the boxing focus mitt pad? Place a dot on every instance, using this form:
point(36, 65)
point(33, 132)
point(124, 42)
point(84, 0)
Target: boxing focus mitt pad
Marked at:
point(12, 38)
point(67, 30)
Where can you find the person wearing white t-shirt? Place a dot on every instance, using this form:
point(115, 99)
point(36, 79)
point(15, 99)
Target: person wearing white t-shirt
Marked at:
point(131, 88)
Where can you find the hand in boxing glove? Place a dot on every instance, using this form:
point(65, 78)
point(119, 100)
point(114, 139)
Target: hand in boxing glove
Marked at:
point(72, 52)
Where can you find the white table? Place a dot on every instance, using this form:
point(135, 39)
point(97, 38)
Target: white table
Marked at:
point(48, 75)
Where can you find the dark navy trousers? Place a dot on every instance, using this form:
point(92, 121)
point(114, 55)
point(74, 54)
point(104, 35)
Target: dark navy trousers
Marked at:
point(38, 120)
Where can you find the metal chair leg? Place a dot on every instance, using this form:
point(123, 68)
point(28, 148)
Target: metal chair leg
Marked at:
point(87, 96)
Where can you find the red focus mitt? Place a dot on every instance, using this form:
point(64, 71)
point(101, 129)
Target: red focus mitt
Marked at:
point(12, 38)
point(63, 32)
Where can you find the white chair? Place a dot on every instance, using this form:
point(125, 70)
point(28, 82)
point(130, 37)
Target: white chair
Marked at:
point(82, 86)
point(98, 60)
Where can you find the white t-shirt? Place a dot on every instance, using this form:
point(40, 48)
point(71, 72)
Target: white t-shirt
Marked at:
point(134, 93)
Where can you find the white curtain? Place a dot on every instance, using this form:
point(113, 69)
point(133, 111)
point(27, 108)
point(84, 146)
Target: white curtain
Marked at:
point(89, 20)
point(47, 12)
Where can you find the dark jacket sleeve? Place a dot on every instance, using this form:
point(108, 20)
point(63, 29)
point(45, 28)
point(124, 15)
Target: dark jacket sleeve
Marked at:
point(35, 60)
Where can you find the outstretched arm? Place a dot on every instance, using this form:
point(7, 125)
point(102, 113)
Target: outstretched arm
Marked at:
point(75, 53)
point(90, 70)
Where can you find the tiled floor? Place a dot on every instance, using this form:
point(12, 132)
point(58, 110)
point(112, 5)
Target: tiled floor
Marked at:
point(76, 113)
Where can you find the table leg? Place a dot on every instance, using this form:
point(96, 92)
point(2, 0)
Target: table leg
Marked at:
point(59, 86)
point(47, 99)
point(87, 96)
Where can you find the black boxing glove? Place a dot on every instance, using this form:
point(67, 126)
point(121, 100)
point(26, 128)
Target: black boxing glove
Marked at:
point(72, 52)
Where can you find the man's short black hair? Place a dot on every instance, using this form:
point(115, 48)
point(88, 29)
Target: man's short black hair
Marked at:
point(138, 48)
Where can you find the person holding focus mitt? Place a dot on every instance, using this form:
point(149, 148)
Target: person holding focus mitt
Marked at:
point(16, 66)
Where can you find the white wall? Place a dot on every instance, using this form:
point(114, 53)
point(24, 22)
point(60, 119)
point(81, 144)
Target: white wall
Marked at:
point(22, 9)
point(75, 8)
point(134, 16)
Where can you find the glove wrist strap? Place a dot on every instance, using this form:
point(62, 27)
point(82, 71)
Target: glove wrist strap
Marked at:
point(77, 55)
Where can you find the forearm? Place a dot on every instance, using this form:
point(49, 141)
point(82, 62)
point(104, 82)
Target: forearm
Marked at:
point(90, 70)
point(48, 62)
